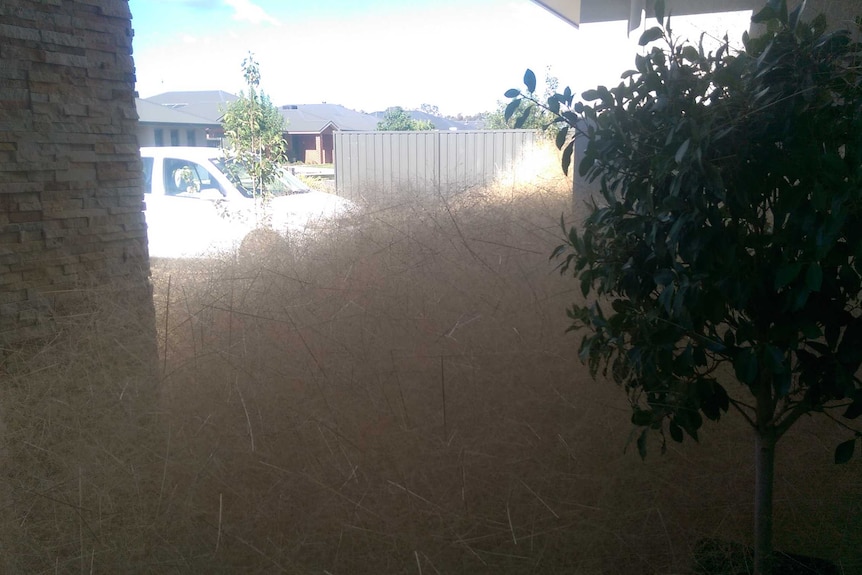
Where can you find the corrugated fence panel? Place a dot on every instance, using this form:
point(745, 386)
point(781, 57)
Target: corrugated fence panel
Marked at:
point(425, 161)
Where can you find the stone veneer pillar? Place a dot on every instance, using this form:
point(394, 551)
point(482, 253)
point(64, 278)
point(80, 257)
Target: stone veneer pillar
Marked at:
point(71, 197)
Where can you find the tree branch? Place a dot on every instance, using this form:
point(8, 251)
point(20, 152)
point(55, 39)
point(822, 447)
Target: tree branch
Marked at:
point(784, 423)
point(842, 424)
point(739, 407)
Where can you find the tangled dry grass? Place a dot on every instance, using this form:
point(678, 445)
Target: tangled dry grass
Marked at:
point(397, 397)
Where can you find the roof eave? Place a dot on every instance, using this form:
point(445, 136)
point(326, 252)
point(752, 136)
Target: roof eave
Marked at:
point(287, 129)
point(577, 12)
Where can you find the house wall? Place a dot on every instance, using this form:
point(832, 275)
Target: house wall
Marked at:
point(71, 196)
point(305, 148)
point(840, 14)
point(312, 152)
point(327, 146)
point(147, 135)
point(311, 148)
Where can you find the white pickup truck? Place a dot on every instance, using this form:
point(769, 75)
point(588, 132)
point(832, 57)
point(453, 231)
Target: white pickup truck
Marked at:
point(196, 207)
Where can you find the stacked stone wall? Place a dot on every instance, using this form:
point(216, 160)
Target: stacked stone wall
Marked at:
point(71, 195)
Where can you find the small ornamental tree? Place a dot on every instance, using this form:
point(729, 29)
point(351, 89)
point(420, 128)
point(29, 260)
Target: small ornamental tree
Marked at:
point(253, 128)
point(397, 120)
point(727, 231)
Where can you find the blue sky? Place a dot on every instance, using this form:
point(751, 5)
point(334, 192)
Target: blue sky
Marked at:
point(460, 55)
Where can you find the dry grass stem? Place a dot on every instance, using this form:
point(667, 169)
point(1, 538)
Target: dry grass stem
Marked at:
point(304, 391)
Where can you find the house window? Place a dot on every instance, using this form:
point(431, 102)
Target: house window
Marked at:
point(191, 138)
point(175, 137)
point(159, 136)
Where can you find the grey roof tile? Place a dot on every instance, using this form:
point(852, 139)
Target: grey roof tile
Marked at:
point(313, 118)
point(303, 119)
point(208, 104)
point(152, 113)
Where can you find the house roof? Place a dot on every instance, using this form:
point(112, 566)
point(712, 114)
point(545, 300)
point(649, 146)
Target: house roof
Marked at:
point(314, 118)
point(207, 104)
point(578, 12)
point(152, 113)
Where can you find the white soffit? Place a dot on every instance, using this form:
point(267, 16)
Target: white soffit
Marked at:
point(577, 12)
point(568, 10)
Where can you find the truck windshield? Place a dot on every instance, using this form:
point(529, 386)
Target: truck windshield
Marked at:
point(284, 183)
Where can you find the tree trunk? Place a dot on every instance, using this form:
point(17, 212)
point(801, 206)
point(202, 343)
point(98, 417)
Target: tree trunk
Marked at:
point(764, 470)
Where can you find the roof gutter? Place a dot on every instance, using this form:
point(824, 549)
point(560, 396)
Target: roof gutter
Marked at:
point(577, 12)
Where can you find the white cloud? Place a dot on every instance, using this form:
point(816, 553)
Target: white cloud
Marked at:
point(246, 10)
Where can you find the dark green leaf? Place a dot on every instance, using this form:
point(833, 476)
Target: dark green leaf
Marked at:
point(800, 298)
point(641, 417)
point(700, 356)
point(773, 359)
point(512, 93)
point(530, 80)
point(680, 152)
point(522, 119)
point(590, 95)
point(781, 383)
point(675, 432)
point(511, 108)
point(814, 277)
point(561, 137)
point(832, 332)
point(659, 11)
point(793, 19)
point(811, 330)
point(558, 251)
point(663, 277)
point(586, 284)
point(854, 410)
point(786, 274)
point(585, 165)
point(745, 365)
point(691, 54)
point(567, 156)
point(850, 349)
point(650, 35)
point(844, 451)
point(642, 444)
point(729, 338)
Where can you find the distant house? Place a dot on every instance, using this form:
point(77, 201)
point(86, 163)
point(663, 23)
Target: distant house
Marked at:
point(162, 126)
point(207, 104)
point(309, 129)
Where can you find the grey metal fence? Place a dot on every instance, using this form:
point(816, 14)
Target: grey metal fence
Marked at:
point(425, 160)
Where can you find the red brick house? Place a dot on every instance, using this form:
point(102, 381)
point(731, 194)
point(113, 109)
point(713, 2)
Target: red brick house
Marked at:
point(310, 127)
